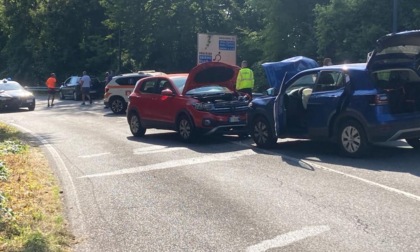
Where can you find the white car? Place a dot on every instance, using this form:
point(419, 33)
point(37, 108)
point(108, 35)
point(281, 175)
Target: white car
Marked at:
point(121, 86)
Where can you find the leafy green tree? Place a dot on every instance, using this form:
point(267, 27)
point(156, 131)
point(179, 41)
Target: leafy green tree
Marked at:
point(347, 29)
point(60, 36)
point(163, 34)
point(289, 29)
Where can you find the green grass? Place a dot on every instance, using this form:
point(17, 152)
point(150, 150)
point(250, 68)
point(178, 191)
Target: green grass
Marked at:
point(31, 217)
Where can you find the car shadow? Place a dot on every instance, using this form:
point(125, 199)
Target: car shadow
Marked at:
point(395, 156)
point(112, 114)
point(203, 144)
point(19, 110)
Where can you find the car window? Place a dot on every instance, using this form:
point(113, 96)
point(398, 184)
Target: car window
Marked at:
point(179, 82)
point(132, 80)
point(149, 87)
point(164, 84)
point(330, 80)
point(74, 80)
point(304, 81)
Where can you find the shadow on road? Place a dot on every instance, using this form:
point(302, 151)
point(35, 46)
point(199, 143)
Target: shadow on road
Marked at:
point(395, 156)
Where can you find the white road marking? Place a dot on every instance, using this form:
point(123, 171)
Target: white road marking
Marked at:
point(59, 162)
point(156, 149)
point(95, 155)
point(307, 163)
point(388, 188)
point(288, 238)
point(177, 163)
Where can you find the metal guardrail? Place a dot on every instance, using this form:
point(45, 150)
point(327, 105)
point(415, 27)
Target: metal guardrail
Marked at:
point(39, 88)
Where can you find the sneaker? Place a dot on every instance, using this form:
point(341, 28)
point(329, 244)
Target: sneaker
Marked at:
point(52, 105)
point(48, 105)
point(83, 103)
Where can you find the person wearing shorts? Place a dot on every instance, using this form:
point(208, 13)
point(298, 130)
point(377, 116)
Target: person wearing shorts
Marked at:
point(51, 82)
point(85, 87)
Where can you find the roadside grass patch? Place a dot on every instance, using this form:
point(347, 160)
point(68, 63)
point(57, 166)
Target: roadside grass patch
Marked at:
point(31, 216)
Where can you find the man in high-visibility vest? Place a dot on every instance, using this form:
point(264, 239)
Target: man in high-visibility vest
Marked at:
point(245, 79)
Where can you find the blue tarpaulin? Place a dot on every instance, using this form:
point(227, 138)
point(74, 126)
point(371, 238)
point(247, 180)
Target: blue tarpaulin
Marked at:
point(286, 69)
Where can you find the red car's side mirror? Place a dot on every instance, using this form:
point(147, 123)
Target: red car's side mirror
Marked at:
point(167, 92)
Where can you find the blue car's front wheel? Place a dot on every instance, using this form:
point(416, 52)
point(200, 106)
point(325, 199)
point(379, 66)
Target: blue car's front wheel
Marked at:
point(262, 133)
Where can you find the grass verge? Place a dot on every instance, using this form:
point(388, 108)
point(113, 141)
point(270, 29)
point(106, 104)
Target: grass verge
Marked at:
point(31, 216)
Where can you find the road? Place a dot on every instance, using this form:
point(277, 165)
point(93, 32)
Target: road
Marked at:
point(222, 193)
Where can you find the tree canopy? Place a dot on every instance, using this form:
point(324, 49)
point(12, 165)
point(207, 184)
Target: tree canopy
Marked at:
point(68, 36)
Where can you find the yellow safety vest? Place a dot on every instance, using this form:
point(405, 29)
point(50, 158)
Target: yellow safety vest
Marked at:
point(245, 79)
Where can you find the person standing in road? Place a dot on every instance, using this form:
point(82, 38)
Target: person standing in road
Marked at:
point(245, 79)
point(327, 62)
point(85, 87)
point(109, 77)
point(50, 83)
point(106, 80)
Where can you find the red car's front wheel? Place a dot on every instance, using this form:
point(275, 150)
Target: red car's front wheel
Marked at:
point(186, 129)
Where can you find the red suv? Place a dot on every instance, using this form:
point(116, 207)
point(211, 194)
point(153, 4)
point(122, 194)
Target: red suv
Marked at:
point(201, 102)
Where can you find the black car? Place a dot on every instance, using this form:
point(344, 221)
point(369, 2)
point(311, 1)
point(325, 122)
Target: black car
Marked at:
point(14, 96)
point(71, 88)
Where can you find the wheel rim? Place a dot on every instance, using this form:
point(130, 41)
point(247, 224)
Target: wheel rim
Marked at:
point(184, 129)
point(350, 139)
point(261, 132)
point(116, 106)
point(134, 124)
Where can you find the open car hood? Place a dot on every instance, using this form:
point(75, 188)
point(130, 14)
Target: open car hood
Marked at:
point(279, 72)
point(211, 73)
point(395, 50)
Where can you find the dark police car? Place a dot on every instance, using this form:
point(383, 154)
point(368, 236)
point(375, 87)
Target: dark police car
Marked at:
point(14, 96)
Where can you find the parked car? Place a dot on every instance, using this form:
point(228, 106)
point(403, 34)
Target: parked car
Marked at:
point(14, 96)
point(201, 102)
point(121, 86)
point(70, 88)
point(353, 105)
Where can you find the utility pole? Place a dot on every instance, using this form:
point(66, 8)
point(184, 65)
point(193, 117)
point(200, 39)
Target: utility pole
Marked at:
point(394, 19)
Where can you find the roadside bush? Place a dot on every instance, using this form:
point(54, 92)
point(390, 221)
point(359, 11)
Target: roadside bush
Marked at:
point(3, 171)
point(30, 208)
point(12, 146)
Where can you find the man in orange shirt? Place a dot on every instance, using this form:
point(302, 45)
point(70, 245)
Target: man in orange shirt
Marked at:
point(51, 88)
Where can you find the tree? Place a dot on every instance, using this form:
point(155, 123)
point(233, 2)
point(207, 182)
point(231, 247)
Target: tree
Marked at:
point(347, 30)
point(52, 36)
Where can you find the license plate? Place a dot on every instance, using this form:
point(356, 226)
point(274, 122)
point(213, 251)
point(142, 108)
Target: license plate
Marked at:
point(29, 100)
point(234, 119)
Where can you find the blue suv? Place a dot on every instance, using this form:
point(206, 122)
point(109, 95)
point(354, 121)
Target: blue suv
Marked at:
point(353, 105)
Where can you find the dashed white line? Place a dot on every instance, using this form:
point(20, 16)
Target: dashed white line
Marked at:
point(177, 163)
point(156, 149)
point(288, 238)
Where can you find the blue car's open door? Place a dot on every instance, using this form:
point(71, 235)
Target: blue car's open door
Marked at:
point(278, 73)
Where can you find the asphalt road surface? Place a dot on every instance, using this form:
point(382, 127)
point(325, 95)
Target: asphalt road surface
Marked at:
point(221, 194)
